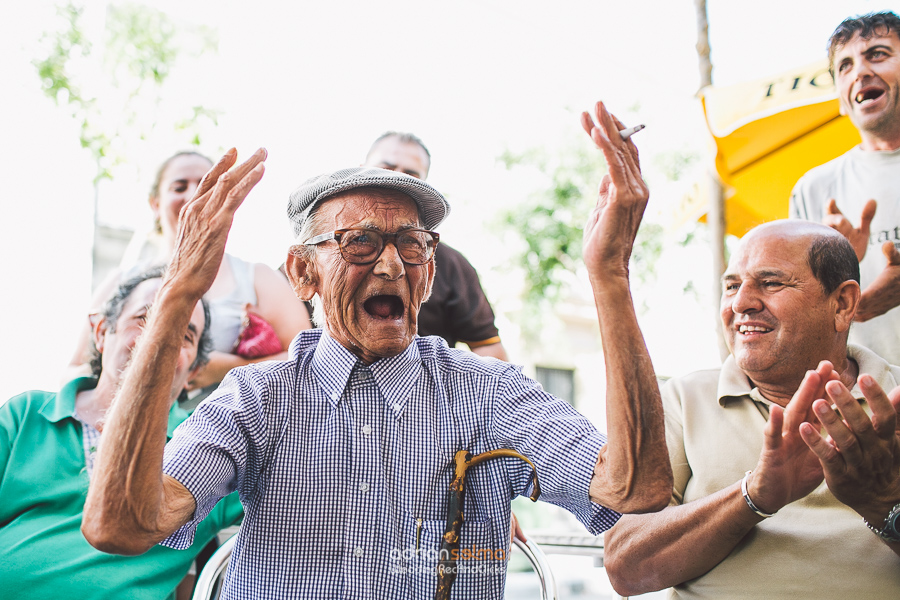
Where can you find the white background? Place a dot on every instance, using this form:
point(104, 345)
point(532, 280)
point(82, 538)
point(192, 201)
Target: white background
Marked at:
point(316, 82)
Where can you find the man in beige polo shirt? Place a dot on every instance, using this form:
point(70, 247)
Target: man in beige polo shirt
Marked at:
point(763, 505)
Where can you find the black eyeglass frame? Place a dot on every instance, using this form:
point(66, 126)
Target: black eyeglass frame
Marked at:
point(385, 239)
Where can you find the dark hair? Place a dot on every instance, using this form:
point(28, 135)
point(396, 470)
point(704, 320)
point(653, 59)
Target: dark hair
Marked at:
point(154, 189)
point(832, 261)
point(112, 310)
point(406, 138)
point(866, 26)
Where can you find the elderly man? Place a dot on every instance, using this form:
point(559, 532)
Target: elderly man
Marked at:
point(750, 515)
point(457, 310)
point(342, 455)
point(864, 54)
point(48, 445)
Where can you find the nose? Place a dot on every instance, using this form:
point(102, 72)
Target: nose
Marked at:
point(745, 300)
point(389, 265)
point(861, 69)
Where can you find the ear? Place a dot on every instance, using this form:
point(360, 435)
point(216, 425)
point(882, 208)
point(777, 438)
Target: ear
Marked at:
point(99, 328)
point(192, 375)
point(846, 298)
point(154, 205)
point(301, 275)
point(430, 283)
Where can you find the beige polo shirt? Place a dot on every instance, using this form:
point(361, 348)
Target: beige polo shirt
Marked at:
point(816, 547)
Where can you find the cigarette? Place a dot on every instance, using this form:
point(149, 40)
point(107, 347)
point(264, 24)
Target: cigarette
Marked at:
point(627, 133)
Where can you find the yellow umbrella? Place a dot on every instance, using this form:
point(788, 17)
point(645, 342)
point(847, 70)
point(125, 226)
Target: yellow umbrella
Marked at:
point(768, 133)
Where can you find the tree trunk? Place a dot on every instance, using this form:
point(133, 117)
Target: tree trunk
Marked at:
point(715, 215)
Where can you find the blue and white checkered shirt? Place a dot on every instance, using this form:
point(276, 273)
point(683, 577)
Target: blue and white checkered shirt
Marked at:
point(343, 468)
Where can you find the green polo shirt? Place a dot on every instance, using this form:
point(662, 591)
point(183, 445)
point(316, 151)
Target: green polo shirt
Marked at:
point(43, 487)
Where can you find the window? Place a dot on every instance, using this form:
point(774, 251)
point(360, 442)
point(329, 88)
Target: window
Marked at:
point(559, 382)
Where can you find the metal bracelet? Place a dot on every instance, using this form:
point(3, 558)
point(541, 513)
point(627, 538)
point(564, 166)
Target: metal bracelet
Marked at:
point(747, 499)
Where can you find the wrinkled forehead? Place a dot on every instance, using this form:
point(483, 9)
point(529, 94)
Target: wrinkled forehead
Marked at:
point(369, 207)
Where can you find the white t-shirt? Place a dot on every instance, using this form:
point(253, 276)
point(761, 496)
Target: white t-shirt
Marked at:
point(853, 179)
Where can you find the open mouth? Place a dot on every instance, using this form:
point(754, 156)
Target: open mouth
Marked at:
point(868, 95)
point(751, 329)
point(384, 307)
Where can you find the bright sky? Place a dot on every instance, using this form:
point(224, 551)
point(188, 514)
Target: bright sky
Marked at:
point(316, 82)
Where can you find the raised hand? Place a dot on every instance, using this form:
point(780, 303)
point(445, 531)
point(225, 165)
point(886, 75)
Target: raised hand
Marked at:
point(787, 470)
point(206, 219)
point(858, 236)
point(633, 473)
point(861, 455)
point(883, 293)
point(613, 224)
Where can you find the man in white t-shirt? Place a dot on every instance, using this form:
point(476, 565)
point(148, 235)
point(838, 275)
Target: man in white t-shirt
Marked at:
point(862, 184)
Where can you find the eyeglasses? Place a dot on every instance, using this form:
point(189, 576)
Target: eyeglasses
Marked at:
point(364, 246)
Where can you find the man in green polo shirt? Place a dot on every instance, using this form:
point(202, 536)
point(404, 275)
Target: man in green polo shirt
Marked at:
point(48, 442)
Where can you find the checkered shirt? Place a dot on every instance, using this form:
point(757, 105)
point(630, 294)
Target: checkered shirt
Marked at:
point(90, 437)
point(343, 468)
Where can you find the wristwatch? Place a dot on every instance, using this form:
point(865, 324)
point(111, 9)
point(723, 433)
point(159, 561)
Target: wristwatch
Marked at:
point(890, 531)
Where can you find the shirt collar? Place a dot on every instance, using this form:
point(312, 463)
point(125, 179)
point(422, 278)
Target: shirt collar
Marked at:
point(871, 364)
point(303, 341)
point(395, 376)
point(734, 384)
point(63, 406)
point(331, 366)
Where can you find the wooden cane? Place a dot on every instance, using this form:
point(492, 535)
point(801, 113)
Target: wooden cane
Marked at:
point(462, 461)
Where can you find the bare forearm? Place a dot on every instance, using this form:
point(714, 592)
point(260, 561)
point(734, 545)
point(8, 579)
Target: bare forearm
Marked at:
point(883, 293)
point(876, 302)
point(127, 508)
point(633, 472)
point(645, 553)
point(131, 504)
point(493, 350)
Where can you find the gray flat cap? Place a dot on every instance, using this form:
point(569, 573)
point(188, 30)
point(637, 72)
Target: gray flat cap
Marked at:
point(432, 205)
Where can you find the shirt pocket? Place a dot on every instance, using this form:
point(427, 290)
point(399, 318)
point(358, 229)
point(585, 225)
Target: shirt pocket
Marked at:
point(480, 555)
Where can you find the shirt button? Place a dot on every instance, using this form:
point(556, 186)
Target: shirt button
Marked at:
point(335, 396)
point(367, 429)
point(364, 487)
point(396, 406)
point(358, 552)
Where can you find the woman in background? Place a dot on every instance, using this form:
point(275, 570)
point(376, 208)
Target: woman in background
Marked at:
point(242, 292)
